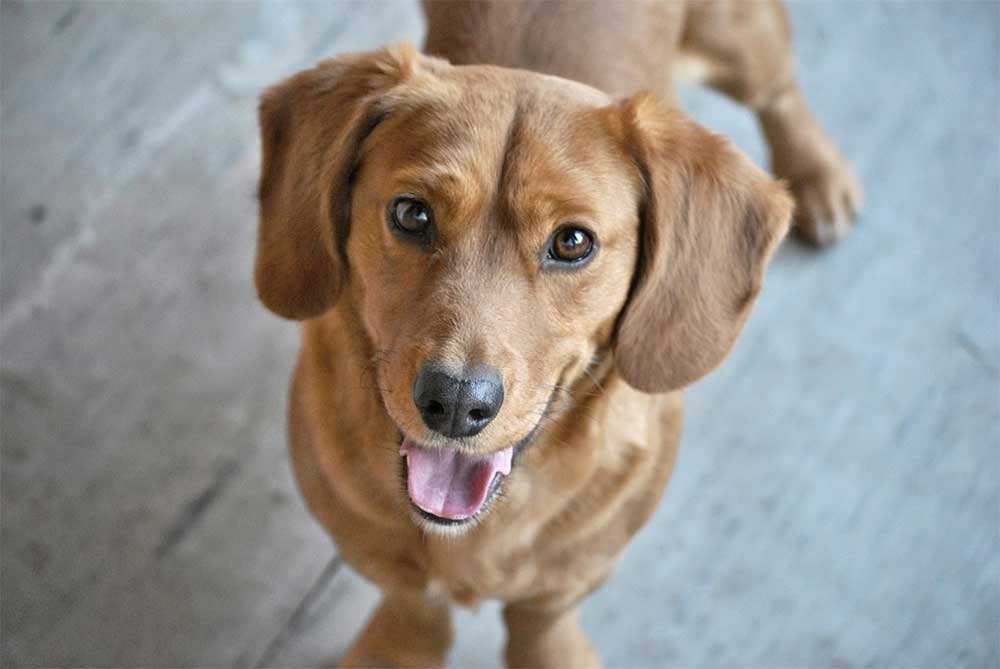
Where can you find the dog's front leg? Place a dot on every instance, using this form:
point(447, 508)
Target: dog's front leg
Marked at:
point(408, 629)
point(547, 634)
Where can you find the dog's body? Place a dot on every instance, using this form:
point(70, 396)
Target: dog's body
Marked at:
point(495, 162)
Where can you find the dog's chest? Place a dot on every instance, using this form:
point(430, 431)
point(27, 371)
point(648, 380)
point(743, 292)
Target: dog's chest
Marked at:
point(467, 574)
point(508, 567)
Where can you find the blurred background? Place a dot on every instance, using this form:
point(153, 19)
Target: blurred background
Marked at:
point(837, 498)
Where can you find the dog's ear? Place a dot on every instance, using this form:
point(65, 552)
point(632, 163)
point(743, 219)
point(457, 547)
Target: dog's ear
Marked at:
point(312, 127)
point(710, 221)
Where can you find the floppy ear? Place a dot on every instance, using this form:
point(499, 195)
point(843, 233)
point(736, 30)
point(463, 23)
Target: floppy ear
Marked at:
point(312, 126)
point(710, 221)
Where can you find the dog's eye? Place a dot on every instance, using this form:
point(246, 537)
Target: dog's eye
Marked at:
point(571, 245)
point(410, 216)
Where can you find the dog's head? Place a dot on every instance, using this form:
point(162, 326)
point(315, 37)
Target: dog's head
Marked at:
point(496, 231)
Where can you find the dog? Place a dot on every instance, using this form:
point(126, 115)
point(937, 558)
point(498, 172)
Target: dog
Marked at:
point(508, 261)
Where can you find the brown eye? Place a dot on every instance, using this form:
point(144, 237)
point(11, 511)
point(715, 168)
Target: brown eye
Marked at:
point(410, 216)
point(571, 245)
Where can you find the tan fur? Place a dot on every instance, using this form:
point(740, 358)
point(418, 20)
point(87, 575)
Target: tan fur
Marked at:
point(685, 227)
point(740, 47)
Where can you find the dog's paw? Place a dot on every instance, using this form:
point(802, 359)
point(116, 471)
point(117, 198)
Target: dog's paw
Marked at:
point(828, 196)
point(828, 199)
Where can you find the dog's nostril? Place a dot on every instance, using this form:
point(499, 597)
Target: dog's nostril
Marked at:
point(434, 409)
point(477, 415)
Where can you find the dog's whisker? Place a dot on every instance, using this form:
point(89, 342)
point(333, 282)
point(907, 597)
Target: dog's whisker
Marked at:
point(590, 375)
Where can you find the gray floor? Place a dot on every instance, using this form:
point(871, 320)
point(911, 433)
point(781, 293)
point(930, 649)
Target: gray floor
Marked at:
point(837, 499)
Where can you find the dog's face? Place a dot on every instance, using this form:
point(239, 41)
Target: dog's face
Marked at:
point(493, 239)
point(496, 231)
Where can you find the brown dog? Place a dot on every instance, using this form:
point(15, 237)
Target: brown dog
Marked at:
point(495, 268)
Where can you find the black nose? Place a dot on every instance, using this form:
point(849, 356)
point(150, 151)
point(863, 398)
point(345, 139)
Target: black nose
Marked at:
point(457, 406)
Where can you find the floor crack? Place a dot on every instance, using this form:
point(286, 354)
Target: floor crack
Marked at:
point(196, 508)
point(298, 619)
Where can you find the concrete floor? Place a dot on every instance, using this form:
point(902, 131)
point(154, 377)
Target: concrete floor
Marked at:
point(837, 499)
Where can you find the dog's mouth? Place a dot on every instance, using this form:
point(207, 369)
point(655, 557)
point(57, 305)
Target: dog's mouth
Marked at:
point(449, 486)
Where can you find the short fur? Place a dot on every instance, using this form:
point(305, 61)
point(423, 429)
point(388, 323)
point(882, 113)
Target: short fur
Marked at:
point(592, 359)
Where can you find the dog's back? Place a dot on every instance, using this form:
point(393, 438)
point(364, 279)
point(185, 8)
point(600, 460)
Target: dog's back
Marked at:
point(617, 47)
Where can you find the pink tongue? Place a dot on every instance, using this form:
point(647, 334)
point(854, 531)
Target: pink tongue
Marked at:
point(449, 483)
